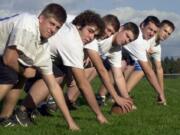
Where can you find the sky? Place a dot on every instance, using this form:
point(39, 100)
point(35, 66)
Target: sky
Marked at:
point(125, 10)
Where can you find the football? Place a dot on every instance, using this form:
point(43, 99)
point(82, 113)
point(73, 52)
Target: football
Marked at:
point(116, 109)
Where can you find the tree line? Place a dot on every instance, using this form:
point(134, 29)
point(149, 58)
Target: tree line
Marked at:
point(171, 65)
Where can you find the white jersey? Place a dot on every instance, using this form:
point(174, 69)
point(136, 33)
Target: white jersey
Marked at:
point(107, 50)
point(138, 48)
point(70, 18)
point(66, 45)
point(22, 31)
point(156, 48)
point(93, 45)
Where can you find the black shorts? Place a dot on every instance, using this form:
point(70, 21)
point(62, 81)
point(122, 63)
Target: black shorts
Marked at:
point(57, 70)
point(107, 64)
point(127, 57)
point(7, 75)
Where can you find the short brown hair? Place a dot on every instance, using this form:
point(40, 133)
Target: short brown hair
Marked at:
point(167, 22)
point(56, 11)
point(152, 19)
point(89, 17)
point(133, 28)
point(113, 20)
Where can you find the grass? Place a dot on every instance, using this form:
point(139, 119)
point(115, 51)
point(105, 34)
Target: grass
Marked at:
point(148, 119)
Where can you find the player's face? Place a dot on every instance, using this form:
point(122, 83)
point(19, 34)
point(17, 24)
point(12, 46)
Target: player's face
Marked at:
point(124, 37)
point(149, 30)
point(164, 32)
point(88, 33)
point(48, 26)
point(109, 30)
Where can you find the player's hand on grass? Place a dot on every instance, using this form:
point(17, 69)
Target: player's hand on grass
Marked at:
point(74, 127)
point(161, 100)
point(101, 119)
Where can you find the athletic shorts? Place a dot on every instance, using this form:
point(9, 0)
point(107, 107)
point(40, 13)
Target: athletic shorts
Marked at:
point(107, 64)
point(127, 57)
point(137, 66)
point(7, 75)
point(57, 70)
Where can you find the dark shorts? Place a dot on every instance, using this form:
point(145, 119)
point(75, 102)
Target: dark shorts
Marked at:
point(57, 70)
point(7, 75)
point(107, 64)
point(127, 57)
point(137, 66)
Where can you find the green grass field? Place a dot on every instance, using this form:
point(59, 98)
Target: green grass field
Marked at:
point(148, 119)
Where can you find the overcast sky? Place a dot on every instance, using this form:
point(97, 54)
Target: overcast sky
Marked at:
point(126, 10)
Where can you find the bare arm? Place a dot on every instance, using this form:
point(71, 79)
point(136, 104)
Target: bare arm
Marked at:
point(152, 79)
point(57, 93)
point(120, 81)
point(85, 87)
point(160, 74)
point(103, 73)
point(10, 59)
point(97, 62)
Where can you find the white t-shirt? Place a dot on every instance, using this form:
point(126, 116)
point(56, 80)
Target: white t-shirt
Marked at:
point(67, 45)
point(70, 18)
point(156, 48)
point(23, 32)
point(138, 48)
point(93, 45)
point(107, 50)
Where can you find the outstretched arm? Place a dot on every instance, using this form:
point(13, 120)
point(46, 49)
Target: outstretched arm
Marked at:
point(160, 73)
point(120, 81)
point(86, 89)
point(57, 93)
point(153, 80)
point(103, 73)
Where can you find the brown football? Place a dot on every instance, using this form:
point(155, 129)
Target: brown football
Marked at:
point(116, 109)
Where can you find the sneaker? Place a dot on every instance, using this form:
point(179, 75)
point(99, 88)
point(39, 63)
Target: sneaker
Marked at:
point(71, 105)
point(101, 100)
point(34, 114)
point(7, 122)
point(134, 107)
point(51, 105)
point(44, 111)
point(22, 118)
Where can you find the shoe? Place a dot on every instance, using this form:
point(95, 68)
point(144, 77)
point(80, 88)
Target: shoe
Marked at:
point(43, 109)
point(7, 122)
point(51, 105)
point(134, 107)
point(34, 114)
point(71, 105)
point(22, 117)
point(101, 100)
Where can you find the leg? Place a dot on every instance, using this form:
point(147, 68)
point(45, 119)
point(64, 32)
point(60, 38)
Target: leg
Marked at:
point(90, 73)
point(127, 72)
point(11, 99)
point(38, 93)
point(133, 79)
point(5, 88)
point(9, 103)
point(73, 92)
point(135, 76)
point(102, 90)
